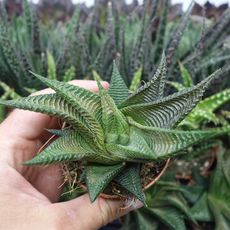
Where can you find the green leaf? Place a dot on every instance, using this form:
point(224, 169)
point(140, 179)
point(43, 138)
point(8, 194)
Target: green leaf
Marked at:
point(214, 102)
point(118, 89)
point(220, 212)
point(204, 111)
point(99, 176)
point(152, 90)
point(176, 36)
point(161, 32)
point(167, 112)
point(69, 74)
point(177, 203)
point(71, 146)
point(52, 105)
point(187, 79)
point(136, 80)
point(114, 122)
point(137, 150)
point(148, 143)
point(36, 43)
point(145, 220)
point(176, 85)
point(130, 179)
point(51, 66)
point(27, 14)
point(226, 166)
point(68, 147)
point(83, 106)
point(170, 217)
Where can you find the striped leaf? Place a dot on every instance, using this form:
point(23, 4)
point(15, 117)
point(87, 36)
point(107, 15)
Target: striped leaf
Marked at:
point(129, 179)
point(152, 144)
point(69, 147)
point(118, 89)
point(114, 121)
point(169, 111)
point(63, 150)
point(152, 90)
point(99, 176)
point(70, 93)
point(53, 105)
point(177, 35)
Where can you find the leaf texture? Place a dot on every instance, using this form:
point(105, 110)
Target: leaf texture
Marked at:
point(130, 180)
point(99, 176)
point(169, 111)
point(170, 217)
point(52, 105)
point(113, 120)
point(118, 89)
point(148, 144)
point(152, 90)
point(67, 148)
point(70, 94)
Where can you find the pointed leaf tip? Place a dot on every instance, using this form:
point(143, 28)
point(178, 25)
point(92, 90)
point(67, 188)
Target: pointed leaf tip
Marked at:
point(99, 176)
point(118, 89)
point(152, 90)
point(131, 181)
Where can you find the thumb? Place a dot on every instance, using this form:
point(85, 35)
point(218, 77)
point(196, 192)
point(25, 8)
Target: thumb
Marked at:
point(83, 214)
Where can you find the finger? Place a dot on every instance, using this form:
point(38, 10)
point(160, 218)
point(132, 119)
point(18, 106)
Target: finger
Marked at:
point(97, 214)
point(30, 125)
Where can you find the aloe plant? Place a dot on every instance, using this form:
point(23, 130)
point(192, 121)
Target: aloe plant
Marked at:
point(115, 134)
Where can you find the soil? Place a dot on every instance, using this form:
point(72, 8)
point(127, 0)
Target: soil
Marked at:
point(150, 173)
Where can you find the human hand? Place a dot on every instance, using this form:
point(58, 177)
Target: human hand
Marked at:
point(29, 195)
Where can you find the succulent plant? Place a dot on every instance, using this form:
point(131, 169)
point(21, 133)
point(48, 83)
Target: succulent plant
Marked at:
point(113, 136)
point(205, 110)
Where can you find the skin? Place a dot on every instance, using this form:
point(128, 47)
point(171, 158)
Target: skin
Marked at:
point(29, 195)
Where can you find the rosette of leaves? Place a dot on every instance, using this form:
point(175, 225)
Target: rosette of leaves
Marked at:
point(112, 134)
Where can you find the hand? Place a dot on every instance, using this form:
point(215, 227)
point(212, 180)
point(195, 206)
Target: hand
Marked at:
point(29, 195)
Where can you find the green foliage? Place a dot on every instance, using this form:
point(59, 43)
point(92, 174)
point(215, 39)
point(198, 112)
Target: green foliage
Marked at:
point(204, 111)
point(114, 134)
point(165, 206)
point(51, 66)
point(106, 135)
point(106, 35)
point(213, 203)
point(136, 80)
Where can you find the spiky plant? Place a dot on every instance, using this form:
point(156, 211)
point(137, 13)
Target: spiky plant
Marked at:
point(205, 110)
point(117, 141)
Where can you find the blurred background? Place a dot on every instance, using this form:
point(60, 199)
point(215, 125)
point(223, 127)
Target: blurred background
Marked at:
point(64, 8)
